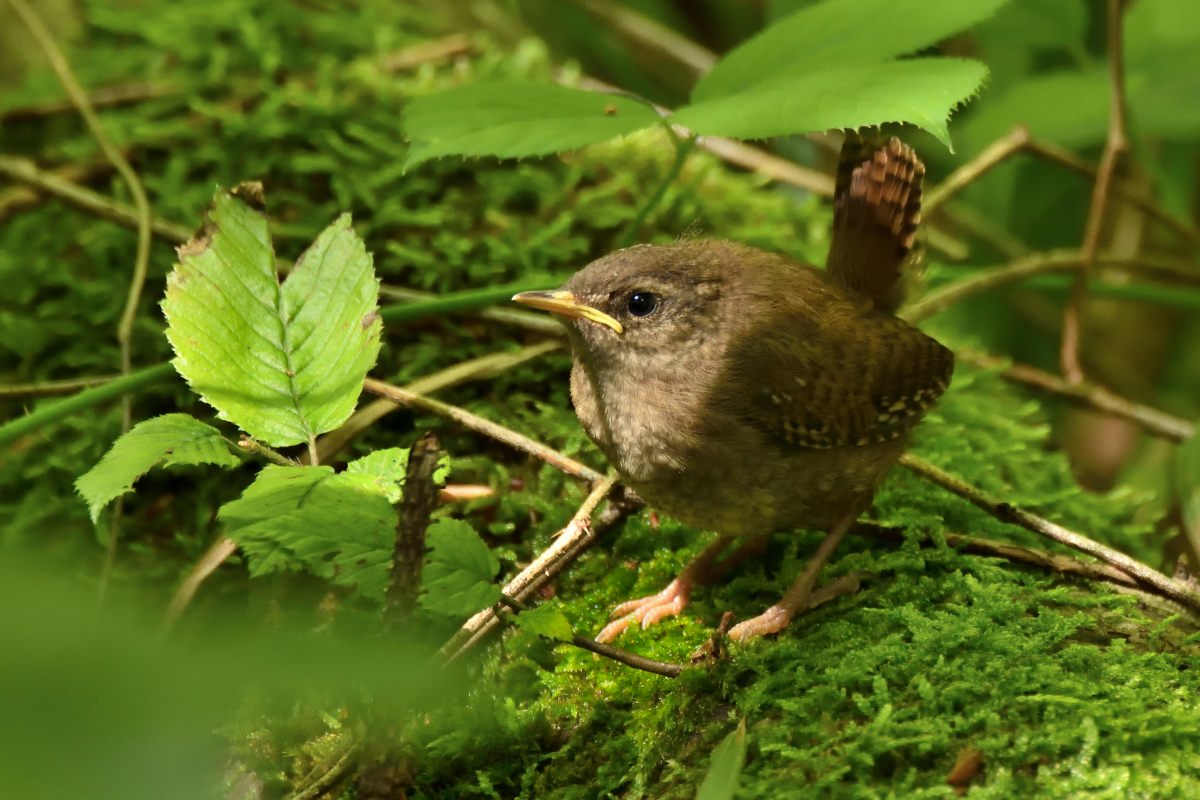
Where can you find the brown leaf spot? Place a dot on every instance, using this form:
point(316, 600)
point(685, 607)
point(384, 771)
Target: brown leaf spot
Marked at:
point(251, 193)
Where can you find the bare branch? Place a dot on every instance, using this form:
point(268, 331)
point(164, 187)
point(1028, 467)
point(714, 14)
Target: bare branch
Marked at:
point(1114, 148)
point(1006, 512)
point(488, 428)
point(1152, 420)
point(577, 536)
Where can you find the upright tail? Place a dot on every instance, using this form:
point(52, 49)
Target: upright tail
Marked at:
point(876, 210)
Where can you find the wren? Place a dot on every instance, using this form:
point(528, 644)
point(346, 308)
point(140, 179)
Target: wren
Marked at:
point(744, 392)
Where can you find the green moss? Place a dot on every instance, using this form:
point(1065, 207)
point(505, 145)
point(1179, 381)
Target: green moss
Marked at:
point(1067, 688)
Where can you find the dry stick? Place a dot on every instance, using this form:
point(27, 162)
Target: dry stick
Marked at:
point(488, 428)
point(412, 520)
point(1006, 512)
point(1152, 420)
point(23, 197)
point(141, 261)
point(625, 657)
point(568, 543)
point(989, 547)
point(1038, 264)
point(483, 367)
point(1114, 147)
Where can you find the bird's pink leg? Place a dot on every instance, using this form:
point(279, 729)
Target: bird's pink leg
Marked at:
point(799, 596)
point(674, 598)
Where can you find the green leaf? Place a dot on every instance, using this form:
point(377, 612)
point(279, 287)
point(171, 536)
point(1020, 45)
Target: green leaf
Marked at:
point(826, 37)
point(458, 577)
point(725, 771)
point(282, 362)
point(546, 621)
point(514, 119)
point(386, 467)
point(922, 91)
point(169, 440)
point(339, 527)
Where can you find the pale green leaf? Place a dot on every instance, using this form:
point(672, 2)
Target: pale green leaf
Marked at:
point(546, 621)
point(458, 576)
point(725, 770)
point(386, 467)
point(513, 119)
point(167, 441)
point(340, 527)
point(282, 362)
point(921, 91)
point(826, 37)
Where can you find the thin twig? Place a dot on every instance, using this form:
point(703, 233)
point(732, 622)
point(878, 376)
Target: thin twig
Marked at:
point(79, 98)
point(456, 44)
point(1123, 189)
point(1042, 263)
point(1114, 148)
point(23, 391)
point(1152, 420)
point(483, 426)
point(25, 171)
point(474, 369)
point(1054, 562)
point(1004, 147)
point(625, 657)
point(1006, 512)
point(213, 557)
point(652, 35)
point(577, 536)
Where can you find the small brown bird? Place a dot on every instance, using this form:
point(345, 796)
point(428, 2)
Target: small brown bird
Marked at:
point(743, 392)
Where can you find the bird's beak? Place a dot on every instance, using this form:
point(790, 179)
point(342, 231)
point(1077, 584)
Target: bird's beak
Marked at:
point(565, 304)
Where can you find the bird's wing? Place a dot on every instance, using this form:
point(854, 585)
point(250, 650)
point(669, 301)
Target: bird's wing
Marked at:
point(854, 379)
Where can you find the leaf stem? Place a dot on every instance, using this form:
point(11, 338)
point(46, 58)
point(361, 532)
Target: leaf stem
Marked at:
point(683, 147)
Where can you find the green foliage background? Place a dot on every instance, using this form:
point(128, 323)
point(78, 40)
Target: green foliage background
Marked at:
point(1068, 688)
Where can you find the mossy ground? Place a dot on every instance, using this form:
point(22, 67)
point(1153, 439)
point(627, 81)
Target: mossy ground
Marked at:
point(1066, 687)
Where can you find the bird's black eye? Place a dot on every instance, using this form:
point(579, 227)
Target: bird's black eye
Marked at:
point(642, 303)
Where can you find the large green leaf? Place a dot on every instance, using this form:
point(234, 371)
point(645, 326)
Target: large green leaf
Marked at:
point(458, 579)
point(340, 527)
point(169, 440)
point(828, 36)
point(922, 91)
point(514, 119)
point(282, 362)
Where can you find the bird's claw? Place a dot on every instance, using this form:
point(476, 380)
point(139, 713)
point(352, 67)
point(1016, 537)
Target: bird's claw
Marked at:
point(647, 610)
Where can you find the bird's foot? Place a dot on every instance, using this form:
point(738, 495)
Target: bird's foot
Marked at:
point(648, 610)
point(778, 616)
